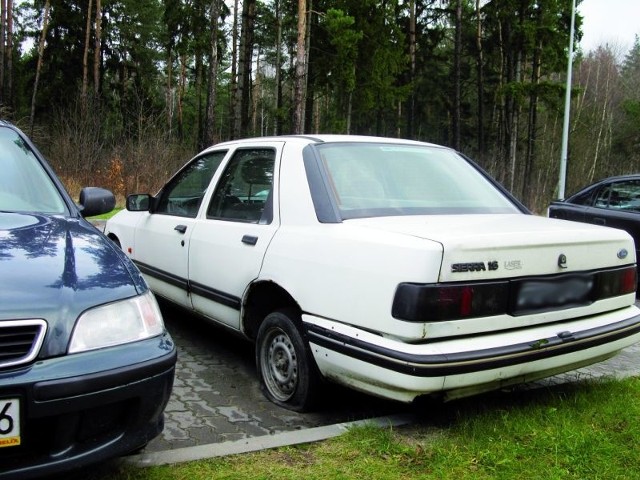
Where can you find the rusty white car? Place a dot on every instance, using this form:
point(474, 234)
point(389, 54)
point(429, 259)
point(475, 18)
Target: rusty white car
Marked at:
point(395, 267)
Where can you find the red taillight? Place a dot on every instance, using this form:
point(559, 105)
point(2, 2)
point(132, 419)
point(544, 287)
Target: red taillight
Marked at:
point(617, 282)
point(466, 301)
point(438, 302)
point(630, 281)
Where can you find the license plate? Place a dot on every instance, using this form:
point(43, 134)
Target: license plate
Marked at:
point(9, 422)
point(551, 294)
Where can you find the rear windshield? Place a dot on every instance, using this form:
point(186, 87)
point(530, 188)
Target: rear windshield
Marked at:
point(369, 179)
point(25, 186)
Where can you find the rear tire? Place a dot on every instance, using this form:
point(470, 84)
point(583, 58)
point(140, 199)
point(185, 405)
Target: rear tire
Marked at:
point(288, 375)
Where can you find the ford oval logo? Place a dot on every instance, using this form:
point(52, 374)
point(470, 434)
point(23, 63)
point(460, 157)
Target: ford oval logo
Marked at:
point(623, 254)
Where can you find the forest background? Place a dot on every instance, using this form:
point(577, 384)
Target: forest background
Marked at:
point(120, 93)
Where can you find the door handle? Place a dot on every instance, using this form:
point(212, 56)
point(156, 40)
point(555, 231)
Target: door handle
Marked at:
point(249, 239)
point(599, 221)
point(180, 228)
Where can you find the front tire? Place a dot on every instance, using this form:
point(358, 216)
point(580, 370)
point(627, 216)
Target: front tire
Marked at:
point(287, 372)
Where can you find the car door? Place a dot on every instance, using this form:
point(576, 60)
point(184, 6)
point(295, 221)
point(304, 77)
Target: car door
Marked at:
point(598, 210)
point(575, 208)
point(227, 247)
point(618, 206)
point(162, 236)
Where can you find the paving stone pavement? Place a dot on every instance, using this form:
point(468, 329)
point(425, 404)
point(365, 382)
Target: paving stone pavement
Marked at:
point(216, 397)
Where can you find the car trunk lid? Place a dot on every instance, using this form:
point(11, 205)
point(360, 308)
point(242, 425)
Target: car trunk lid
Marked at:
point(487, 247)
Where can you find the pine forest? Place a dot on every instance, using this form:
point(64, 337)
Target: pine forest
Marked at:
point(120, 93)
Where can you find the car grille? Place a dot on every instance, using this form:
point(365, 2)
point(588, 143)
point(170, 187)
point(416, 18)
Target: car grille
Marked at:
point(20, 341)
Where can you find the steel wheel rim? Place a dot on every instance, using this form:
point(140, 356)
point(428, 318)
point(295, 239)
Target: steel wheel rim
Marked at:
point(280, 365)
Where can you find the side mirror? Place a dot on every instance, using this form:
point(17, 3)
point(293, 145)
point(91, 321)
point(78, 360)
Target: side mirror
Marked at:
point(96, 201)
point(138, 202)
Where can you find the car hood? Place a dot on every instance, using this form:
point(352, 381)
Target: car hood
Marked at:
point(479, 247)
point(54, 268)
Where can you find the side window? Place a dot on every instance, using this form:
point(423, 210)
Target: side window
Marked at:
point(243, 193)
point(183, 196)
point(587, 198)
point(625, 196)
point(602, 199)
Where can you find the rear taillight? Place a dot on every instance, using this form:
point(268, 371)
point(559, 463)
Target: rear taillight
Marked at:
point(438, 302)
point(612, 283)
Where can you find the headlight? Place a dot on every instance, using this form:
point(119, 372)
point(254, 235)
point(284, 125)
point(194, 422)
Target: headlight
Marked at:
point(116, 323)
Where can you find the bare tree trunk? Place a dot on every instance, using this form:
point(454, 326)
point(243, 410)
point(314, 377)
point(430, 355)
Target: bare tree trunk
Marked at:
point(210, 133)
point(169, 94)
point(514, 125)
point(199, 55)
point(299, 93)
point(244, 71)
point(412, 72)
point(533, 122)
point(457, 78)
point(3, 43)
point(43, 36)
point(257, 90)
point(233, 107)
point(181, 92)
point(278, 94)
point(601, 127)
point(308, 93)
point(199, 87)
point(9, 53)
point(97, 49)
point(85, 58)
point(349, 109)
point(480, 70)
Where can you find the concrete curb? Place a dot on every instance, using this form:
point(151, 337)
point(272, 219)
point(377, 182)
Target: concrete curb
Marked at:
point(254, 444)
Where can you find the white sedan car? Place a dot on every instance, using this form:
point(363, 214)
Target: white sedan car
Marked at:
point(395, 267)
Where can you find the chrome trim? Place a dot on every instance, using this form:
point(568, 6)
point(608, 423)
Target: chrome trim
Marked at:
point(35, 344)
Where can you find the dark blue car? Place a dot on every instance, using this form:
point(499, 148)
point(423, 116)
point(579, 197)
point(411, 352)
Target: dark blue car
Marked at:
point(86, 364)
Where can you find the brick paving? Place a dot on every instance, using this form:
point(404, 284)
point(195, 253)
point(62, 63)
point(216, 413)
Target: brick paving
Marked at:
point(216, 397)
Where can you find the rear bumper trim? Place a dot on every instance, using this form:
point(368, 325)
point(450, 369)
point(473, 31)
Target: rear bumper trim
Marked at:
point(478, 360)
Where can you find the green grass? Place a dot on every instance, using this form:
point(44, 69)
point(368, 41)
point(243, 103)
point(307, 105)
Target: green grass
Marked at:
point(581, 431)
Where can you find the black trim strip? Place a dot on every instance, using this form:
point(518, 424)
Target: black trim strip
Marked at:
point(215, 295)
point(193, 288)
point(475, 361)
point(161, 275)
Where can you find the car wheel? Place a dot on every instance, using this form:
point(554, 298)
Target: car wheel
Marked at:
point(287, 372)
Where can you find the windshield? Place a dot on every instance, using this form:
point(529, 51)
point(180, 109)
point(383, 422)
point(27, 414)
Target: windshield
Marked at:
point(24, 184)
point(385, 179)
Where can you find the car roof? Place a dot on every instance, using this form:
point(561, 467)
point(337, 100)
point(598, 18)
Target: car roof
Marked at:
point(599, 183)
point(322, 138)
point(631, 176)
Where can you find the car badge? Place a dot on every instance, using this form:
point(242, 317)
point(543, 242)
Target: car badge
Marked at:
point(562, 261)
point(623, 254)
point(513, 265)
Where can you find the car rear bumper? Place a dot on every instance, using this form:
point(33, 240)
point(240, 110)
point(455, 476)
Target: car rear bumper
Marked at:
point(87, 407)
point(468, 365)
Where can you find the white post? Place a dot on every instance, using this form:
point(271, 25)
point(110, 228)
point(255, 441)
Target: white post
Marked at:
point(567, 108)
